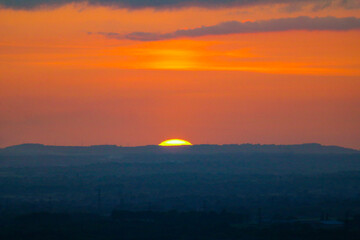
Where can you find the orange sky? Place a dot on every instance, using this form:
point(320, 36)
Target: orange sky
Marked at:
point(60, 85)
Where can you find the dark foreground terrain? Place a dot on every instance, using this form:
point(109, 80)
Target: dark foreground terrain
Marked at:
point(200, 192)
point(170, 225)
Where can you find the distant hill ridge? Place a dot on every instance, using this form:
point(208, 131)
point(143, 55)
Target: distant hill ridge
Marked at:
point(41, 149)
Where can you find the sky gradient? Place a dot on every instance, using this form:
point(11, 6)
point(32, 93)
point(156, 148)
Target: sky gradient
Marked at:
point(137, 73)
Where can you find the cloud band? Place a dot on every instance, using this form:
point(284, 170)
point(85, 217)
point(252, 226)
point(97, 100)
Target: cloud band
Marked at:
point(235, 27)
point(136, 4)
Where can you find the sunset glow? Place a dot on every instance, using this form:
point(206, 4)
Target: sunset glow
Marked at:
point(97, 98)
point(174, 142)
point(228, 72)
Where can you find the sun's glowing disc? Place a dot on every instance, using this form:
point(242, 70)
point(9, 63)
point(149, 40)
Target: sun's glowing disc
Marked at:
point(174, 142)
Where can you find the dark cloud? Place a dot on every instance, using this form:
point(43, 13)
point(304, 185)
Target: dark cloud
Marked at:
point(134, 4)
point(234, 27)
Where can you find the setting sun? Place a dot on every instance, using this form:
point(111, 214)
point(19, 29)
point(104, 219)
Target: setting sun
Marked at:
point(174, 142)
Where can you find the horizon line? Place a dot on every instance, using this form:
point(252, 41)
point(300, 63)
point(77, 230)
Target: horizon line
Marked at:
point(201, 144)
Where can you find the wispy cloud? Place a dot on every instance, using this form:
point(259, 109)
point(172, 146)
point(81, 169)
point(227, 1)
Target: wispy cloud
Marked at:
point(235, 27)
point(135, 4)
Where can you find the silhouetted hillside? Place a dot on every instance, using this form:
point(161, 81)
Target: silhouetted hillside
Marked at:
point(304, 181)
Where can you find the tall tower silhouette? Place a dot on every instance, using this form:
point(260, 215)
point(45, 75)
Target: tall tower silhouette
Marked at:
point(99, 200)
point(259, 216)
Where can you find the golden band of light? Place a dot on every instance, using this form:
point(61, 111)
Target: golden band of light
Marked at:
point(174, 142)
